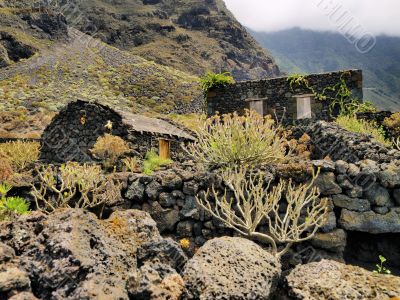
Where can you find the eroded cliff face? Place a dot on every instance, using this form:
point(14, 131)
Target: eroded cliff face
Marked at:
point(189, 35)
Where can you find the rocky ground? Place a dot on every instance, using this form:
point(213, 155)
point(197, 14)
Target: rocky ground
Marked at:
point(73, 255)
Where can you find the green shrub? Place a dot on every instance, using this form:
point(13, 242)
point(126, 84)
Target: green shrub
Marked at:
point(233, 140)
point(11, 207)
point(351, 123)
point(211, 80)
point(16, 205)
point(153, 162)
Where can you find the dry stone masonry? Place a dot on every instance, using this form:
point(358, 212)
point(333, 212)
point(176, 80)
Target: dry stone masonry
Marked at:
point(364, 196)
point(279, 98)
point(75, 130)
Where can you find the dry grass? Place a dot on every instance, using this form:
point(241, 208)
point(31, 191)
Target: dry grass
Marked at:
point(109, 148)
point(131, 164)
point(20, 154)
point(6, 170)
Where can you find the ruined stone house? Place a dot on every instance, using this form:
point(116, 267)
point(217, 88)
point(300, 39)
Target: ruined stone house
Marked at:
point(285, 101)
point(76, 128)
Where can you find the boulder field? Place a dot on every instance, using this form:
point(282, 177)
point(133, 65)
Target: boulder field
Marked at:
point(72, 254)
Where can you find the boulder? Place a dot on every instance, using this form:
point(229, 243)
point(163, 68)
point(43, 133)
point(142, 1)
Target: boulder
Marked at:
point(326, 182)
point(231, 268)
point(167, 200)
point(135, 192)
point(330, 223)
point(370, 221)
point(13, 279)
point(334, 241)
point(185, 228)
point(341, 166)
point(153, 189)
point(74, 255)
point(190, 209)
point(390, 177)
point(333, 280)
point(156, 281)
point(354, 204)
point(378, 195)
point(166, 219)
point(170, 180)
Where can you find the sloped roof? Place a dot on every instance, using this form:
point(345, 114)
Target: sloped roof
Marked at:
point(142, 123)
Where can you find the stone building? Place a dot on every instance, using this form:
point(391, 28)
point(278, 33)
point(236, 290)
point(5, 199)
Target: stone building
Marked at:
point(283, 100)
point(75, 130)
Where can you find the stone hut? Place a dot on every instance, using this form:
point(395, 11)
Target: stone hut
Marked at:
point(283, 100)
point(75, 130)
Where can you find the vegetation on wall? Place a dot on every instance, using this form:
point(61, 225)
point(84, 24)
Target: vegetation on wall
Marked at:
point(253, 203)
point(351, 123)
point(232, 140)
point(213, 80)
point(154, 162)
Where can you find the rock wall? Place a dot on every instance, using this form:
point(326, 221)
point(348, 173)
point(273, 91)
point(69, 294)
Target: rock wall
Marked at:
point(329, 139)
point(280, 95)
point(75, 130)
point(364, 198)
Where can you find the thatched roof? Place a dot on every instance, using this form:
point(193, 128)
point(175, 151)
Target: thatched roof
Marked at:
point(142, 123)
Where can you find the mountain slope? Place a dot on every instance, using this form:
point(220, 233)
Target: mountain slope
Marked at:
point(189, 35)
point(53, 68)
point(304, 51)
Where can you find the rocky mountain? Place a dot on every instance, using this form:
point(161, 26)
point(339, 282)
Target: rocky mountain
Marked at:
point(189, 35)
point(139, 55)
point(305, 51)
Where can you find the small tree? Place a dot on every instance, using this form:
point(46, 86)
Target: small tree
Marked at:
point(233, 140)
point(253, 202)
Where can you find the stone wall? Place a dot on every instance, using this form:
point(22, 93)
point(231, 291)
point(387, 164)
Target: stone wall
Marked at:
point(75, 130)
point(280, 95)
point(364, 199)
point(329, 139)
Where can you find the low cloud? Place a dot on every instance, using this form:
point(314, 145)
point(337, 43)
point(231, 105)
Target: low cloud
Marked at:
point(372, 16)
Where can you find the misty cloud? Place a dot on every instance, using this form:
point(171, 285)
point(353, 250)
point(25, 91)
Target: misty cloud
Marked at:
point(361, 16)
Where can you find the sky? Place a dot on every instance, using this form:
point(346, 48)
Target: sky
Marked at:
point(361, 17)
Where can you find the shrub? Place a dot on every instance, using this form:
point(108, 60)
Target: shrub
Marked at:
point(11, 207)
point(20, 154)
point(109, 148)
point(73, 185)
point(211, 80)
point(353, 124)
point(352, 107)
point(253, 203)
point(6, 170)
point(393, 124)
point(131, 164)
point(153, 162)
point(233, 140)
